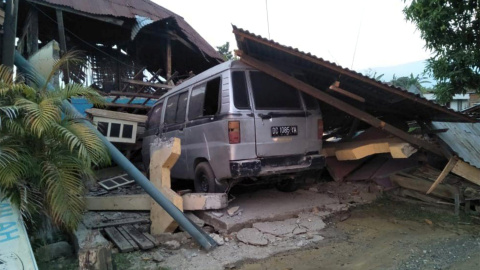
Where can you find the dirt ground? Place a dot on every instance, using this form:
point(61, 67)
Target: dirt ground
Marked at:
point(388, 235)
point(382, 235)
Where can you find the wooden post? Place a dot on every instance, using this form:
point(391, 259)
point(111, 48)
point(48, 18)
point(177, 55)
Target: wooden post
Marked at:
point(169, 57)
point(33, 32)
point(162, 160)
point(337, 103)
point(62, 40)
point(10, 32)
point(451, 163)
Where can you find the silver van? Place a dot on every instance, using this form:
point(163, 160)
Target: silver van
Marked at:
point(235, 124)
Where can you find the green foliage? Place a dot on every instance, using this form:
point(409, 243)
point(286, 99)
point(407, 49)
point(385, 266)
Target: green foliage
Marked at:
point(46, 153)
point(451, 29)
point(373, 75)
point(224, 50)
point(406, 82)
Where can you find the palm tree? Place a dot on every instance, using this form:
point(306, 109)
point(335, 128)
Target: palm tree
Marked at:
point(46, 154)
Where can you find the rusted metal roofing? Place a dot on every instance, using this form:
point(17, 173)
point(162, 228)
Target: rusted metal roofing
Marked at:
point(320, 73)
point(463, 139)
point(132, 8)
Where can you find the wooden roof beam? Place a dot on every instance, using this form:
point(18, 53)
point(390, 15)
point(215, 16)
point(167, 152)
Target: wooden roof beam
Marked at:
point(337, 103)
point(352, 74)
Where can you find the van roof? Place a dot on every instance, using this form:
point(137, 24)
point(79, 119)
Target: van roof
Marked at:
point(206, 74)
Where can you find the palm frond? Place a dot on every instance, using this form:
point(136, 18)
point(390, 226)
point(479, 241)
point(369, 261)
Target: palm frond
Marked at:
point(71, 57)
point(64, 190)
point(6, 75)
point(39, 116)
point(12, 171)
point(78, 90)
point(84, 140)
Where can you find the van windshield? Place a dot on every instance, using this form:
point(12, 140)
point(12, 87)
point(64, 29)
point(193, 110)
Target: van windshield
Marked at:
point(272, 94)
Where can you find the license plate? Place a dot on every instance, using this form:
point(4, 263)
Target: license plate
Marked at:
point(280, 131)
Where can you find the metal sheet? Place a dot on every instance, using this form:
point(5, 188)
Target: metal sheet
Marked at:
point(131, 9)
point(320, 73)
point(463, 139)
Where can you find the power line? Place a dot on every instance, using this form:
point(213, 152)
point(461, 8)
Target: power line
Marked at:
point(268, 23)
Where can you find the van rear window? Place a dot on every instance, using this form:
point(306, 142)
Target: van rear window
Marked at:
point(240, 93)
point(310, 102)
point(272, 94)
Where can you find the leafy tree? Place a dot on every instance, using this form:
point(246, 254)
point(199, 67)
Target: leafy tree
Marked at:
point(408, 81)
point(451, 29)
point(45, 152)
point(373, 75)
point(225, 51)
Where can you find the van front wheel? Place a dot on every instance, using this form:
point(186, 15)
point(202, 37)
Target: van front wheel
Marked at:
point(204, 178)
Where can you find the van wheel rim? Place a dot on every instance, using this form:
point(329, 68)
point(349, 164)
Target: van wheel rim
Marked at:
point(204, 183)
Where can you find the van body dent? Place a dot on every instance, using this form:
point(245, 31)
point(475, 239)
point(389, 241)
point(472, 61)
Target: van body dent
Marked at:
point(237, 123)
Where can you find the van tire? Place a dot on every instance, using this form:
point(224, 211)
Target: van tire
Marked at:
point(287, 185)
point(204, 178)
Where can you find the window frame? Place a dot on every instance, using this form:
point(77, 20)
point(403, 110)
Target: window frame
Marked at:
point(205, 83)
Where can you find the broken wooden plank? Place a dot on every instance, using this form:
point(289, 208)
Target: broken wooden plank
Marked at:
point(138, 237)
point(443, 191)
point(117, 115)
point(128, 238)
point(150, 84)
point(467, 171)
point(346, 93)
point(118, 239)
point(141, 202)
point(136, 202)
point(132, 94)
point(451, 163)
point(119, 222)
point(128, 106)
point(152, 239)
point(337, 103)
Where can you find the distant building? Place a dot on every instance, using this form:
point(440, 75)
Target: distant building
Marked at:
point(459, 102)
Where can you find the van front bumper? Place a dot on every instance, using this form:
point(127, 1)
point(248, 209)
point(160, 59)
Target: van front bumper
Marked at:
point(275, 165)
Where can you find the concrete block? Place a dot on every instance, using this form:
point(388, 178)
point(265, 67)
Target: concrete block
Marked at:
point(94, 251)
point(204, 201)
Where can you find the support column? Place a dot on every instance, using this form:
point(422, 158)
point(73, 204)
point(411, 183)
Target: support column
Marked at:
point(169, 57)
point(10, 32)
point(33, 32)
point(62, 41)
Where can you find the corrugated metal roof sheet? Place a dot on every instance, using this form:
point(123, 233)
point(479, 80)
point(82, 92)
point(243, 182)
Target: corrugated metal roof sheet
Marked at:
point(132, 8)
point(376, 93)
point(463, 139)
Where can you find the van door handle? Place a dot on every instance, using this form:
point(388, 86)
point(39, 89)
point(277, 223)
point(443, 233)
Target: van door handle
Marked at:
point(265, 116)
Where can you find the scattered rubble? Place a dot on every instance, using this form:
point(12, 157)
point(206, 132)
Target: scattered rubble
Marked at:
point(233, 210)
point(54, 251)
point(252, 236)
point(172, 244)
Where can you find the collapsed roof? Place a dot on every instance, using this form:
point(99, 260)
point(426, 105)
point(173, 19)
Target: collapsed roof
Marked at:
point(118, 35)
point(374, 97)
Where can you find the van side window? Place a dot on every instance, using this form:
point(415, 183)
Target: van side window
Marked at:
point(272, 94)
point(240, 93)
point(154, 116)
point(182, 107)
point(171, 110)
point(205, 99)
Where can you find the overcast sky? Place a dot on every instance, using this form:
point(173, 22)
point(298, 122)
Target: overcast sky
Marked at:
point(325, 28)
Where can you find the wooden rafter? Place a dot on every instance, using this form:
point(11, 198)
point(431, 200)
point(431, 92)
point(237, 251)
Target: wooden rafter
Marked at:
point(339, 104)
point(351, 74)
